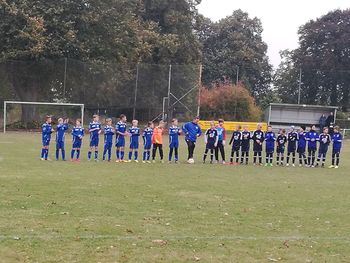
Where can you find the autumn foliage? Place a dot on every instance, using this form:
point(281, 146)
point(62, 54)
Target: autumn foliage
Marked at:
point(228, 101)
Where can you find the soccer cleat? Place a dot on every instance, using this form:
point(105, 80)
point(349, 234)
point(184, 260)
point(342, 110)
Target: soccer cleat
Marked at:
point(287, 164)
point(153, 161)
point(293, 165)
point(96, 160)
point(316, 165)
point(161, 161)
point(136, 161)
point(148, 161)
point(223, 162)
point(129, 161)
point(266, 164)
point(312, 166)
point(143, 161)
point(336, 167)
point(300, 165)
point(322, 165)
point(176, 161)
point(42, 159)
point(331, 166)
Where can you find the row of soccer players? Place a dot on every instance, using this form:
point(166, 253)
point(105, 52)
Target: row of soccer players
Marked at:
point(295, 141)
point(152, 136)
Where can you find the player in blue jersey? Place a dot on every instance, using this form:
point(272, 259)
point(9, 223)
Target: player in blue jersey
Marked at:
point(236, 144)
point(61, 129)
point(147, 142)
point(211, 139)
point(221, 142)
point(108, 132)
point(281, 145)
point(324, 140)
point(121, 132)
point(46, 130)
point(94, 130)
point(77, 137)
point(270, 138)
point(245, 145)
point(302, 146)
point(258, 139)
point(337, 140)
point(192, 131)
point(312, 138)
point(292, 137)
point(134, 133)
point(174, 132)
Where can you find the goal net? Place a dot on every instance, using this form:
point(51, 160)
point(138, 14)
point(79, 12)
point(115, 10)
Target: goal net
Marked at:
point(21, 115)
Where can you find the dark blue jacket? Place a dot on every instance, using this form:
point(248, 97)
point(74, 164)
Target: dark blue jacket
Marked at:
point(192, 131)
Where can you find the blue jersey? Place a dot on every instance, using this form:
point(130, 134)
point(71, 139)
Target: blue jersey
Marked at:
point(120, 128)
point(147, 137)
point(96, 127)
point(108, 134)
point(337, 139)
point(46, 130)
point(245, 141)
point(302, 140)
point(134, 135)
point(174, 132)
point(221, 133)
point(60, 132)
point(192, 131)
point(312, 138)
point(77, 136)
point(270, 139)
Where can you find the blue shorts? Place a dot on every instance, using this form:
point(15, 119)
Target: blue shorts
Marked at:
point(60, 145)
point(270, 150)
point(46, 142)
point(301, 149)
point(134, 145)
point(108, 145)
point(94, 142)
point(335, 151)
point(120, 141)
point(77, 144)
point(280, 149)
point(257, 147)
point(174, 145)
point(291, 149)
point(323, 150)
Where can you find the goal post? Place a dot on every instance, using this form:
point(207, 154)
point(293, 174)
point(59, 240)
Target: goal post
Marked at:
point(6, 103)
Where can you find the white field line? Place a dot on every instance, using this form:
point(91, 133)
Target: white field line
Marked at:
point(177, 238)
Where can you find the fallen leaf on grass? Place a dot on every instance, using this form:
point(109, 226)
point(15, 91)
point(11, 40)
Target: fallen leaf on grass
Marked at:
point(160, 242)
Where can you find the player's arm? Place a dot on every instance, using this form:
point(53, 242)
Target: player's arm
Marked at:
point(216, 139)
point(233, 135)
point(199, 132)
point(184, 129)
point(206, 136)
point(224, 137)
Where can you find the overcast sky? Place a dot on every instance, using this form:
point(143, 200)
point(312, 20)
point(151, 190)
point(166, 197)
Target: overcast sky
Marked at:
point(280, 19)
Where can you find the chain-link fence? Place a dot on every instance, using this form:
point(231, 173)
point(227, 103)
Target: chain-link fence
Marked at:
point(142, 91)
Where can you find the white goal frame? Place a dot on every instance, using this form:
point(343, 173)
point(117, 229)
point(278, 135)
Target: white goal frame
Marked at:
point(82, 107)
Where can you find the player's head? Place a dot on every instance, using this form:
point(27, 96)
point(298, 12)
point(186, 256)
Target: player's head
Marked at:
point(302, 128)
point(269, 128)
point(122, 117)
point(221, 122)
point(77, 122)
point(292, 128)
point(238, 127)
point(336, 129)
point(282, 131)
point(135, 123)
point(95, 117)
point(258, 126)
point(161, 124)
point(48, 119)
point(212, 124)
point(60, 120)
point(313, 127)
point(174, 122)
point(150, 124)
point(325, 130)
point(109, 121)
point(245, 127)
point(196, 119)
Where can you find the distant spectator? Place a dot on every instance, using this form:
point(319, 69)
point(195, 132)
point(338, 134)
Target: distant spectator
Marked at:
point(322, 122)
point(330, 120)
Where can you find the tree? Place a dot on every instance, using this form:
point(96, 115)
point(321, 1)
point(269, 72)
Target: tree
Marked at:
point(234, 46)
point(225, 100)
point(323, 56)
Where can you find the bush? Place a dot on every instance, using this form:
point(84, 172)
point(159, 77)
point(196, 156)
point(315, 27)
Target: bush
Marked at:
point(228, 101)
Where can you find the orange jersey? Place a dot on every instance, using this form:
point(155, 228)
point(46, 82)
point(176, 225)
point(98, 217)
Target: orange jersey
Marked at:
point(157, 136)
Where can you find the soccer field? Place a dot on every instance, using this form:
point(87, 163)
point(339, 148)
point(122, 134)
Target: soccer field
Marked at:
point(128, 212)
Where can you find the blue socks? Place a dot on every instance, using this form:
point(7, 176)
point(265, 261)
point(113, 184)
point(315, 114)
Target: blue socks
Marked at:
point(72, 154)
point(89, 155)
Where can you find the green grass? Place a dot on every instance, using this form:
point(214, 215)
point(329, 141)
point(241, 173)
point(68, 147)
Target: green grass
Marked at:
point(108, 212)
